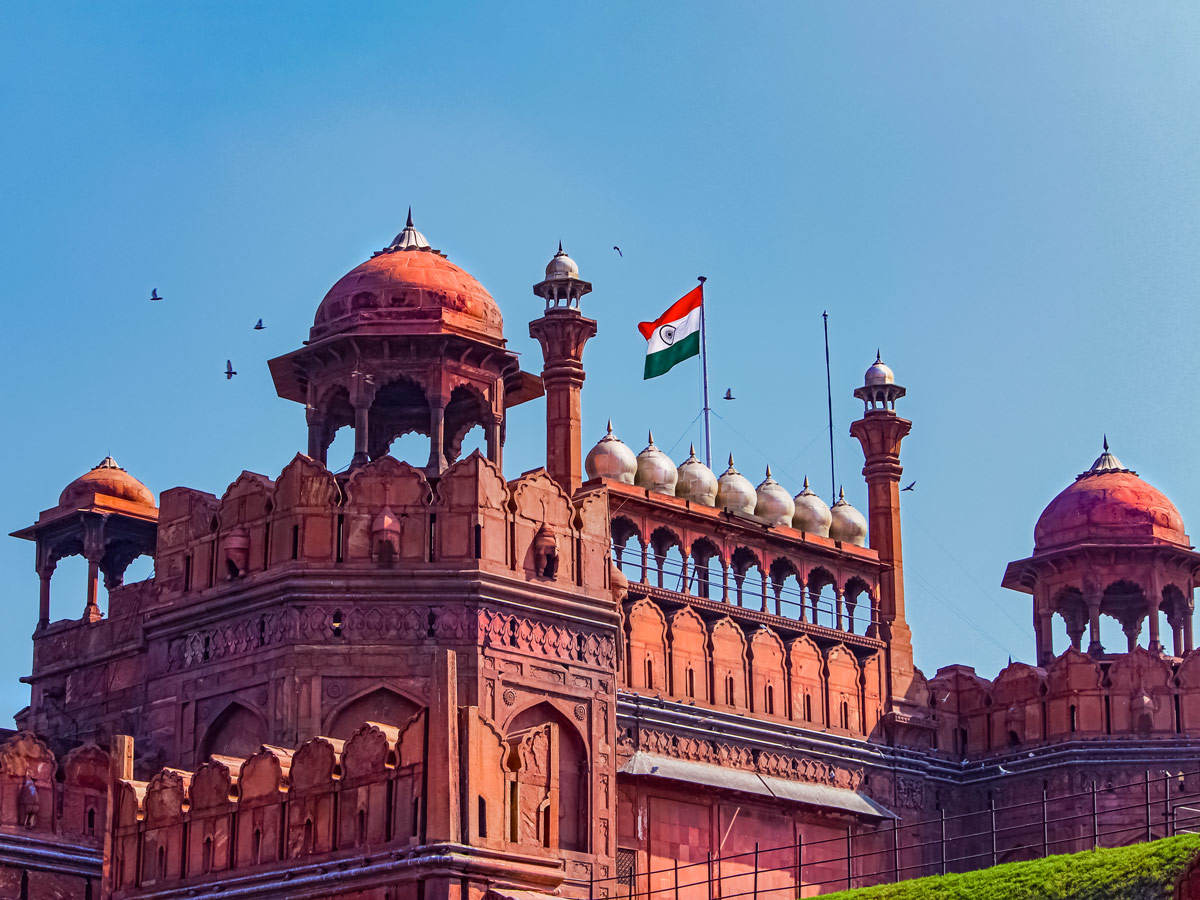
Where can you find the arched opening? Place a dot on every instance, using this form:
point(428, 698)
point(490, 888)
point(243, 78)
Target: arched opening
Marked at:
point(748, 586)
point(548, 811)
point(381, 705)
point(856, 602)
point(399, 407)
point(821, 597)
point(465, 415)
point(238, 731)
point(707, 570)
point(671, 568)
point(627, 549)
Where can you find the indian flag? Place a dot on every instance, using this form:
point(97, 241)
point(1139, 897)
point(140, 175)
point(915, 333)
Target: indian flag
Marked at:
point(675, 335)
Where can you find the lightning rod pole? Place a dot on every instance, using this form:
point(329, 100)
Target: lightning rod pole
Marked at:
point(829, 398)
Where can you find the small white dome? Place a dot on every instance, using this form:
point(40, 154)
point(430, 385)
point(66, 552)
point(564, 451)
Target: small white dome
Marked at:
point(848, 524)
point(561, 266)
point(735, 492)
point(773, 504)
point(878, 374)
point(697, 482)
point(611, 458)
point(812, 514)
point(655, 471)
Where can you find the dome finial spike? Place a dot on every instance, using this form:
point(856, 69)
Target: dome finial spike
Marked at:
point(842, 492)
point(806, 482)
point(560, 249)
point(692, 448)
point(610, 426)
point(878, 355)
point(1106, 443)
point(768, 470)
point(731, 460)
point(409, 223)
point(651, 436)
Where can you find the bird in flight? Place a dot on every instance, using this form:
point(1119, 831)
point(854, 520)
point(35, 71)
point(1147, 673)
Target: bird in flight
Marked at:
point(729, 394)
point(259, 326)
point(911, 485)
point(229, 373)
point(619, 253)
point(154, 294)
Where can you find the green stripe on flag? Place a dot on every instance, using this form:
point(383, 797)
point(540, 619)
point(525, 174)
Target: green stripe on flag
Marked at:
point(661, 362)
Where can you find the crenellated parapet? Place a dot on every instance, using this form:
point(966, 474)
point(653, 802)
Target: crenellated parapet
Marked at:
point(1133, 696)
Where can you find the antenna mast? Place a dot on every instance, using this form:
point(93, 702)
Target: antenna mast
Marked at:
point(829, 398)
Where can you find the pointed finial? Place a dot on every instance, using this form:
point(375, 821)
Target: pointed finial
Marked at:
point(842, 494)
point(692, 449)
point(806, 482)
point(768, 471)
point(878, 356)
point(560, 249)
point(610, 426)
point(1105, 443)
point(651, 436)
point(409, 223)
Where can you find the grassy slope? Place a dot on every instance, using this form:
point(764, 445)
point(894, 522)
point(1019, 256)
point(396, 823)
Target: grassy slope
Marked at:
point(1139, 872)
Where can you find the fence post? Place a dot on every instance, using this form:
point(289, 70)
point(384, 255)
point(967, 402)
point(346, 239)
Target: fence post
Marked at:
point(799, 865)
point(895, 850)
point(1149, 827)
point(1095, 820)
point(676, 867)
point(992, 816)
point(1168, 824)
point(710, 876)
point(943, 840)
point(755, 871)
point(849, 856)
point(1045, 824)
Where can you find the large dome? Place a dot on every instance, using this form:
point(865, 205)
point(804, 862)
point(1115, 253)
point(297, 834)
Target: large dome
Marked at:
point(1109, 504)
point(109, 480)
point(408, 288)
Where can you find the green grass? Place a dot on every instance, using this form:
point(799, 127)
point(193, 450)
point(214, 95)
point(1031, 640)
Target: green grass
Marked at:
point(1140, 872)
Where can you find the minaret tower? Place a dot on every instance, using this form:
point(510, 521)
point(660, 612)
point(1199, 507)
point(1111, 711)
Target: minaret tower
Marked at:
point(880, 431)
point(563, 331)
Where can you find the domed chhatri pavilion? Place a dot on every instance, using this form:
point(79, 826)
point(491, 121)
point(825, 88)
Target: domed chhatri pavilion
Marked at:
point(426, 680)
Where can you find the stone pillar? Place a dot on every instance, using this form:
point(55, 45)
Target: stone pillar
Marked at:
point(93, 552)
point(1187, 632)
point(1092, 598)
point(437, 436)
point(1043, 624)
point(1155, 645)
point(494, 436)
point(45, 573)
point(442, 810)
point(1177, 638)
point(316, 435)
point(361, 422)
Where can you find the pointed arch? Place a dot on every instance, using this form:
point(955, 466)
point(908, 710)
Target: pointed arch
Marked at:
point(237, 731)
point(378, 704)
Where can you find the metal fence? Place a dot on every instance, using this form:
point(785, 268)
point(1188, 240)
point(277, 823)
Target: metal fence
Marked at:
point(1101, 815)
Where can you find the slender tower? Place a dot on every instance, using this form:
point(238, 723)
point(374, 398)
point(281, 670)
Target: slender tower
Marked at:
point(563, 331)
point(880, 431)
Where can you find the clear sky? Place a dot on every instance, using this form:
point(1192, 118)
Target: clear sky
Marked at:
point(1003, 197)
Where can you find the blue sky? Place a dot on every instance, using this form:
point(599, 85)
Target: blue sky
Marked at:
point(1003, 197)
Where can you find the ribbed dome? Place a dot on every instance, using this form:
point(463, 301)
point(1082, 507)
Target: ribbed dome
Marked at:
point(773, 504)
point(611, 458)
point(1109, 504)
point(655, 471)
point(812, 514)
point(697, 482)
point(735, 492)
point(107, 479)
point(847, 523)
point(561, 266)
point(879, 373)
point(408, 288)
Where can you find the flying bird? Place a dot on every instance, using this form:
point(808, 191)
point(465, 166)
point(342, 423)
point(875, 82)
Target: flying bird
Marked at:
point(911, 485)
point(259, 326)
point(619, 253)
point(154, 294)
point(729, 394)
point(229, 373)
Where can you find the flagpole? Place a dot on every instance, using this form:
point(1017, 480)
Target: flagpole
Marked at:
point(829, 396)
point(704, 377)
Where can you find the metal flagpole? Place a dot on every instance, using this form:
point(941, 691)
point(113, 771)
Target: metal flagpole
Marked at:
point(704, 377)
point(829, 396)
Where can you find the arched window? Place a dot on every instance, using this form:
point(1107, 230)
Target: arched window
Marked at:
point(845, 715)
point(770, 698)
point(256, 847)
point(1074, 718)
point(691, 682)
point(649, 675)
point(729, 690)
point(808, 707)
point(206, 859)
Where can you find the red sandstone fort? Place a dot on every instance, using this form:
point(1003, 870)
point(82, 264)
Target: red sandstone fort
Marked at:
point(612, 677)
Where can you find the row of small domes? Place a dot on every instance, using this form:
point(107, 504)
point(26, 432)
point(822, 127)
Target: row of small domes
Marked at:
point(692, 480)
